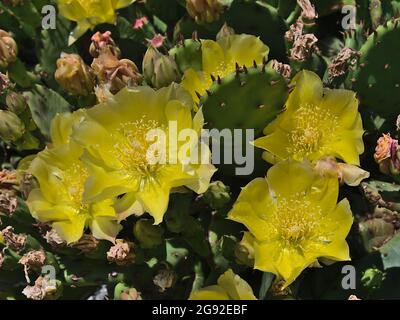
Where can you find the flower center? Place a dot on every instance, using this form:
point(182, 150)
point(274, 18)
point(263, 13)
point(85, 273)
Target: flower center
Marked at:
point(314, 127)
point(132, 146)
point(74, 179)
point(296, 220)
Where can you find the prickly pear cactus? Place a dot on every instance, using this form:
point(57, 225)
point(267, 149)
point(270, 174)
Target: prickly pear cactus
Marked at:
point(199, 149)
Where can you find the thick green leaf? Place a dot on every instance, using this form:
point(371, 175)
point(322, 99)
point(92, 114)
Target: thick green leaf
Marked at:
point(390, 253)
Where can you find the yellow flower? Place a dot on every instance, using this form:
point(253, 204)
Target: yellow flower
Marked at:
point(295, 219)
point(230, 287)
point(89, 13)
point(317, 122)
point(115, 137)
point(220, 58)
point(62, 176)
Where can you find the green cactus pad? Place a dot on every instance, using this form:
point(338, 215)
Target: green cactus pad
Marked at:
point(248, 99)
point(377, 80)
point(188, 55)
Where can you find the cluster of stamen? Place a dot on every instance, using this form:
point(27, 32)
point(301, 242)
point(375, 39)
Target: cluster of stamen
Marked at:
point(313, 127)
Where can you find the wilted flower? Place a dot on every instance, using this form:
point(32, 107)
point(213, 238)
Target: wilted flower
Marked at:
point(294, 219)
point(86, 244)
point(387, 155)
point(165, 279)
point(115, 73)
point(140, 22)
point(244, 251)
point(342, 62)
point(317, 123)
point(220, 58)
point(204, 11)
point(73, 75)
point(8, 49)
point(15, 241)
point(122, 253)
point(157, 41)
point(88, 14)
point(119, 153)
point(43, 289)
point(284, 69)
point(346, 173)
point(103, 41)
point(62, 177)
point(230, 287)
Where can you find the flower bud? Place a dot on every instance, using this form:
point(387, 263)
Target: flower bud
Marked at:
point(148, 234)
point(224, 32)
point(218, 195)
point(14, 241)
point(8, 49)
point(73, 75)
point(16, 102)
point(11, 127)
point(149, 59)
point(130, 294)
point(117, 74)
point(165, 72)
point(204, 11)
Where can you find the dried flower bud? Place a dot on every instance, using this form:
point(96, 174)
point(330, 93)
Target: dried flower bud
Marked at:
point(2, 258)
point(8, 202)
point(14, 241)
point(8, 49)
point(307, 10)
point(33, 261)
point(204, 11)
point(8, 179)
point(284, 69)
point(295, 31)
point(121, 253)
point(11, 127)
point(44, 289)
point(73, 75)
point(16, 102)
point(165, 279)
point(86, 244)
point(54, 239)
point(340, 65)
point(102, 41)
point(303, 47)
point(353, 297)
point(118, 74)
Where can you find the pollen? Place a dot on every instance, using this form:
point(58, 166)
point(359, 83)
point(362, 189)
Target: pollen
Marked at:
point(314, 128)
point(296, 221)
point(131, 146)
point(74, 178)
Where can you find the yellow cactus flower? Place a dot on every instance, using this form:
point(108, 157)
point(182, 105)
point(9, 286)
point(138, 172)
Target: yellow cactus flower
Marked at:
point(220, 58)
point(317, 123)
point(295, 219)
point(230, 287)
point(89, 13)
point(115, 137)
point(62, 177)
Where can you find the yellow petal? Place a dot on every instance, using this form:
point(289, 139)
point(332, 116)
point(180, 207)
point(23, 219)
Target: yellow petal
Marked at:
point(275, 143)
point(213, 58)
point(154, 198)
point(124, 3)
point(194, 81)
point(308, 89)
point(243, 49)
point(253, 207)
point(209, 293)
point(70, 231)
point(235, 286)
point(105, 228)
